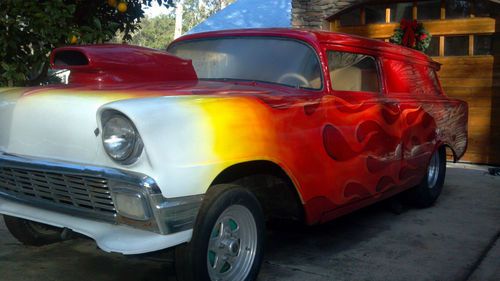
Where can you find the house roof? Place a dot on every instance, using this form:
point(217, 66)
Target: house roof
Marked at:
point(249, 14)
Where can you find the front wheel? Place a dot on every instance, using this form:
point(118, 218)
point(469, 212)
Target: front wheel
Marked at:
point(32, 233)
point(228, 238)
point(426, 193)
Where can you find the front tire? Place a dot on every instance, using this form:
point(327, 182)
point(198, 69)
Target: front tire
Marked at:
point(228, 238)
point(427, 192)
point(32, 233)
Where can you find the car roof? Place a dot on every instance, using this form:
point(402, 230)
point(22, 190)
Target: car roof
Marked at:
point(317, 38)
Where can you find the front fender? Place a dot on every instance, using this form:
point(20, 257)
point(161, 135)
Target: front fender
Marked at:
point(189, 140)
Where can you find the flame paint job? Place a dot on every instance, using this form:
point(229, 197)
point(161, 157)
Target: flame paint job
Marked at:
point(342, 150)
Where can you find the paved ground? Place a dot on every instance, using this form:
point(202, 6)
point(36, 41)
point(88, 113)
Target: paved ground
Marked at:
point(458, 239)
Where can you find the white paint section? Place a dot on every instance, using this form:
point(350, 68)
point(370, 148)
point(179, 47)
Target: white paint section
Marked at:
point(54, 126)
point(8, 100)
point(249, 14)
point(178, 141)
point(109, 237)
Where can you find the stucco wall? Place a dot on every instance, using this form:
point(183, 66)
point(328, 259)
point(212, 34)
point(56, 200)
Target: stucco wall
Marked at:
point(313, 13)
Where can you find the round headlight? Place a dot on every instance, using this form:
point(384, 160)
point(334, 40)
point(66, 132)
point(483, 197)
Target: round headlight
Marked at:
point(121, 140)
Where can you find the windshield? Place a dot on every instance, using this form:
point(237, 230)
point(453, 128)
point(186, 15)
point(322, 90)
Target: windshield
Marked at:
point(274, 60)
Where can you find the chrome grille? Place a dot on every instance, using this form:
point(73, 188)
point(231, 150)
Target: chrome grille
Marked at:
point(81, 192)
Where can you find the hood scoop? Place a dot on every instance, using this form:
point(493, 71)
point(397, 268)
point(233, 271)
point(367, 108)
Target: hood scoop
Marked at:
point(115, 64)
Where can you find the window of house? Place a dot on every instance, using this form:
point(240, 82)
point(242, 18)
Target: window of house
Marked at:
point(375, 13)
point(353, 72)
point(429, 10)
point(457, 9)
point(456, 46)
point(433, 49)
point(483, 8)
point(351, 18)
point(482, 45)
point(401, 11)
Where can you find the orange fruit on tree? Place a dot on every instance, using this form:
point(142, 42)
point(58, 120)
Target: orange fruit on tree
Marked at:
point(112, 3)
point(122, 7)
point(73, 39)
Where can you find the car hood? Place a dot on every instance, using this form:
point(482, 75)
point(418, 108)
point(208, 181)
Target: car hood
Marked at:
point(61, 123)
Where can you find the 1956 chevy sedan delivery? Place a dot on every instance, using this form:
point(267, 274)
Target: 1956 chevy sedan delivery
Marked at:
point(195, 148)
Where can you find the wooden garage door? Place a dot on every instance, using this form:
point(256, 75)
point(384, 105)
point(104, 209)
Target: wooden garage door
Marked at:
point(477, 81)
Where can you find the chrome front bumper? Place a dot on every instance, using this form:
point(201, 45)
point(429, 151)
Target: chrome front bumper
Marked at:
point(89, 191)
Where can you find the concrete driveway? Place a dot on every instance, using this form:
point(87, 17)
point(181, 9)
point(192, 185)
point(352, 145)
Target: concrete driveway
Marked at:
point(458, 239)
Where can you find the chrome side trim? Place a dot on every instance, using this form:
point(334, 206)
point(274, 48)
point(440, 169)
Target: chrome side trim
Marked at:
point(168, 215)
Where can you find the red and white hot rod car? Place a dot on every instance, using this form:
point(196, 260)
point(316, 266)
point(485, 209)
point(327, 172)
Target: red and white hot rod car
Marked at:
point(195, 148)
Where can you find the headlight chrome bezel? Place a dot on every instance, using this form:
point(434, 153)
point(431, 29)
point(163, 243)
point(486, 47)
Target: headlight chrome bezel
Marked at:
point(137, 146)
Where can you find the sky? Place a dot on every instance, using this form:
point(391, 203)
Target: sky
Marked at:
point(155, 10)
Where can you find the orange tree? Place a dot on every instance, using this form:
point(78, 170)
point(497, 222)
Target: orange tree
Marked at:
point(30, 29)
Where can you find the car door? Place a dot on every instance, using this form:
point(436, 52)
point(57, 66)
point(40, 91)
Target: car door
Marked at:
point(362, 131)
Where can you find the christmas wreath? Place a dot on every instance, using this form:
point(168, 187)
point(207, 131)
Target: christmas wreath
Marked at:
point(411, 34)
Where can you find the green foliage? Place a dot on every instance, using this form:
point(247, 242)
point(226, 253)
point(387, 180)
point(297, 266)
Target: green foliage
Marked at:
point(30, 29)
point(155, 32)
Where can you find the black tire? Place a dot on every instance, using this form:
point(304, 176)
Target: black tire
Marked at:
point(427, 192)
point(192, 260)
point(32, 233)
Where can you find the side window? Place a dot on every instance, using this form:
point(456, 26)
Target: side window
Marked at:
point(353, 72)
point(410, 78)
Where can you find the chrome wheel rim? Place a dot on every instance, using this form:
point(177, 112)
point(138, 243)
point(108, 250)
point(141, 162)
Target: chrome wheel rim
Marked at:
point(232, 245)
point(433, 170)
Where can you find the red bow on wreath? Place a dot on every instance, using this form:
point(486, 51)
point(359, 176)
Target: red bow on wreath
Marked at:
point(409, 28)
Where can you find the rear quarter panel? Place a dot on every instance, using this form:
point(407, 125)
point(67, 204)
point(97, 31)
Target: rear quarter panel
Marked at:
point(429, 119)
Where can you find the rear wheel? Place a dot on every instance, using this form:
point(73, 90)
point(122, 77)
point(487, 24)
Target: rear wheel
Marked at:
point(32, 233)
point(228, 238)
point(427, 192)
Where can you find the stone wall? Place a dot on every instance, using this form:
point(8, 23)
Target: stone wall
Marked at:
point(313, 13)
